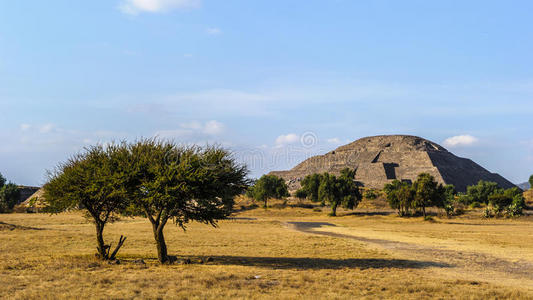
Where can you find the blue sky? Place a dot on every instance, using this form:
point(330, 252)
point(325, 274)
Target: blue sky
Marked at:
point(275, 81)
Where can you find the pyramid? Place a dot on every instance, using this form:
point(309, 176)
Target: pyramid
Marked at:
point(378, 160)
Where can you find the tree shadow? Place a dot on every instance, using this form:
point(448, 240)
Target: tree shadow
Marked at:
point(306, 263)
point(370, 213)
point(8, 226)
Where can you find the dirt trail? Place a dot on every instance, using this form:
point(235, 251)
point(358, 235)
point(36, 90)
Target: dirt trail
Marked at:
point(463, 264)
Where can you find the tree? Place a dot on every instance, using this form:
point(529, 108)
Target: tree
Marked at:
point(531, 182)
point(300, 194)
point(3, 180)
point(427, 192)
point(310, 185)
point(448, 198)
point(340, 190)
point(482, 191)
point(400, 196)
point(182, 184)
point(269, 186)
point(9, 196)
point(94, 181)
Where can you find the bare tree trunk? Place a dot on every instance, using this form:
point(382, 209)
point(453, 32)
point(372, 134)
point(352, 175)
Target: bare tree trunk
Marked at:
point(102, 247)
point(162, 254)
point(334, 209)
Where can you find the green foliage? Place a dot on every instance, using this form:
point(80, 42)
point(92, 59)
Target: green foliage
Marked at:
point(340, 190)
point(424, 192)
point(310, 185)
point(449, 203)
point(182, 184)
point(2, 180)
point(300, 194)
point(95, 181)
point(531, 182)
point(427, 193)
point(508, 203)
point(392, 191)
point(481, 192)
point(9, 196)
point(370, 195)
point(269, 186)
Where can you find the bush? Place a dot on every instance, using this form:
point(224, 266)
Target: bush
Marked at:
point(300, 194)
point(370, 195)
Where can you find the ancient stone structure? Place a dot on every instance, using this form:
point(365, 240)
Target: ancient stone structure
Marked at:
point(26, 192)
point(380, 159)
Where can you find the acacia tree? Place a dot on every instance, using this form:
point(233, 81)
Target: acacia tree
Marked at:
point(182, 184)
point(269, 186)
point(95, 182)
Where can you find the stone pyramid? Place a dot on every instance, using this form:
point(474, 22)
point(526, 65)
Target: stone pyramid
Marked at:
point(378, 160)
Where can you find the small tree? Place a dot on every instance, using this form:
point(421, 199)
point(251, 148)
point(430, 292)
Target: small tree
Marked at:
point(93, 181)
point(427, 193)
point(310, 185)
point(9, 196)
point(400, 196)
point(482, 191)
point(3, 180)
point(448, 203)
point(269, 186)
point(183, 184)
point(531, 182)
point(300, 194)
point(340, 190)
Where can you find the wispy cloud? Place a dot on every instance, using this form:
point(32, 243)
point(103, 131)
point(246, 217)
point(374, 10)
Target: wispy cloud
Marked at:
point(460, 141)
point(334, 141)
point(287, 139)
point(134, 7)
point(213, 31)
point(194, 130)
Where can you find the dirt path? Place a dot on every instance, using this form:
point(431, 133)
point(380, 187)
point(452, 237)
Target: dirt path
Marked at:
point(463, 264)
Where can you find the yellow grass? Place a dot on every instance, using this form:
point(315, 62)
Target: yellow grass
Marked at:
point(258, 255)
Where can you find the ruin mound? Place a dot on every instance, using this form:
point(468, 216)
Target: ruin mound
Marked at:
point(379, 160)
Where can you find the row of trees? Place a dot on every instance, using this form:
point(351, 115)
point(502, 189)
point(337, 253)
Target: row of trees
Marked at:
point(425, 192)
point(9, 195)
point(324, 188)
point(330, 189)
point(498, 201)
point(155, 179)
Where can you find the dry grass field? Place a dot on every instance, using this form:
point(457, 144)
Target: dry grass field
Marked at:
point(275, 253)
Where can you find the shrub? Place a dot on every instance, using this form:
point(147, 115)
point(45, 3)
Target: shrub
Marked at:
point(268, 186)
point(370, 195)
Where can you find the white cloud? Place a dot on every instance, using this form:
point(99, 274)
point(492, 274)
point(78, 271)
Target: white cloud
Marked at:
point(25, 127)
point(213, 127)
point(194, 129)
point(287, 139)
point(460, 140)
point(46, 128)
point(213, 31)
point(134, 7)
point(334, 141)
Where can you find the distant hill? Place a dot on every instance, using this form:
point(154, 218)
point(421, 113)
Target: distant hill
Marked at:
point(524, 186)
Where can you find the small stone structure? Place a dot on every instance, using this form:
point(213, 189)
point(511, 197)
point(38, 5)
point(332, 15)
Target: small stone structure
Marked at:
point(378, 160)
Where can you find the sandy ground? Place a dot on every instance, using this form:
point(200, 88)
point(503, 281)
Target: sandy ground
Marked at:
point(468, 265)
